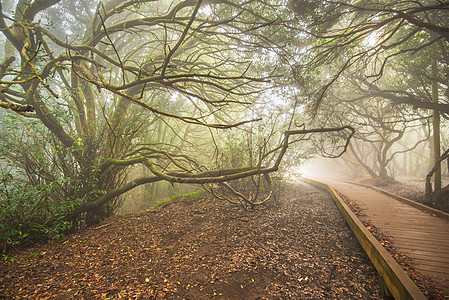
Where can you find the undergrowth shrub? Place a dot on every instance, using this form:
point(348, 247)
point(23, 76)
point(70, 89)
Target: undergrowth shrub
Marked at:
point(27, 215)
point(38, 183)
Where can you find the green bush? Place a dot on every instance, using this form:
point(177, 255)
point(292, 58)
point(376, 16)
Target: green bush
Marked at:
point(27, 214)
point(36, 192)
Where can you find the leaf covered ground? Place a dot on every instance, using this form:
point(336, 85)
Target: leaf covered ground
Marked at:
point(197, 248)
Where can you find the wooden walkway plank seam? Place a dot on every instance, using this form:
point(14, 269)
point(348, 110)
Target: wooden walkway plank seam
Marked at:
point(415, 204)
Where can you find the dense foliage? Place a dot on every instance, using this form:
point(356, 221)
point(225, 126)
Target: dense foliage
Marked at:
point(100, 98)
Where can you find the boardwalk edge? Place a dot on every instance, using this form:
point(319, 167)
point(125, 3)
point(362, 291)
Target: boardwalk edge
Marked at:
point(395, 278)
point(415, 204)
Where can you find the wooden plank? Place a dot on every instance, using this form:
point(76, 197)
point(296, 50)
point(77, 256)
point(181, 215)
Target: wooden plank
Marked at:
point(432, 269)
point(418, 238)
point(427, 224)
point(410, 226)
point(417, 205)
point(426, 253)
point(397, 281)
point(410, 244)
point(421, 231)
point(429, 240)
point(414, 240)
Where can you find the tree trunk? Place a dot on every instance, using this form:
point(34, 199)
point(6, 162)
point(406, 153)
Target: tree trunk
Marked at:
point(436, 123)
point(405, 163)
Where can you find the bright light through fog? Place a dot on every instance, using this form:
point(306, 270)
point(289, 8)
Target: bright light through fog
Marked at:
point(372, 39)
point(206, 10)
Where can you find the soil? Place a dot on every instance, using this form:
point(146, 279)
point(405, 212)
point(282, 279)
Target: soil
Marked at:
point(298, 247)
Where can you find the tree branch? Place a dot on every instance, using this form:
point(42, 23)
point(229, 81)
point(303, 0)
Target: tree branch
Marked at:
point(17, 107)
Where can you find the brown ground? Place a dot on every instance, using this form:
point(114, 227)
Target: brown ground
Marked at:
point(299, 248)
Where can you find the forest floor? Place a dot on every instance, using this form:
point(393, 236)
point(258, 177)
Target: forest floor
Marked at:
point(197, 248)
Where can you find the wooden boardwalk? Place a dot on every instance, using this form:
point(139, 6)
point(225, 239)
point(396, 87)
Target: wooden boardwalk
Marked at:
point(420, 236)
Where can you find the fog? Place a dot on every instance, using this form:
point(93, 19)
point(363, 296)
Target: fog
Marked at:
point(114, 102)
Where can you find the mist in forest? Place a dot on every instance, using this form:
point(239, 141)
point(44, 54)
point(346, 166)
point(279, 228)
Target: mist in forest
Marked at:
point(122, 104)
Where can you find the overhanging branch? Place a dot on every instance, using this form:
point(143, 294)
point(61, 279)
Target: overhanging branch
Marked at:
point(17, 107)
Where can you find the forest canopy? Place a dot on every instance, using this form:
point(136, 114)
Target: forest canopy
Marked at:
point(102, 97)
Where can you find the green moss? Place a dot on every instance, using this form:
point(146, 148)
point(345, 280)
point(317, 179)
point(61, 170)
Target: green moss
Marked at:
point(191, 194)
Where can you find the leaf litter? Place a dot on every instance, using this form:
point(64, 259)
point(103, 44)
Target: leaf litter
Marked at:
point(297, 247)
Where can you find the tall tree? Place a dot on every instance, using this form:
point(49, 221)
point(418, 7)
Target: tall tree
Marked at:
point(96, 87)
point(365, 41)
point(368, 35)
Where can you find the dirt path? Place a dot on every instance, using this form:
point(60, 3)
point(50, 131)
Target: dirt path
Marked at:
point(201, 249)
